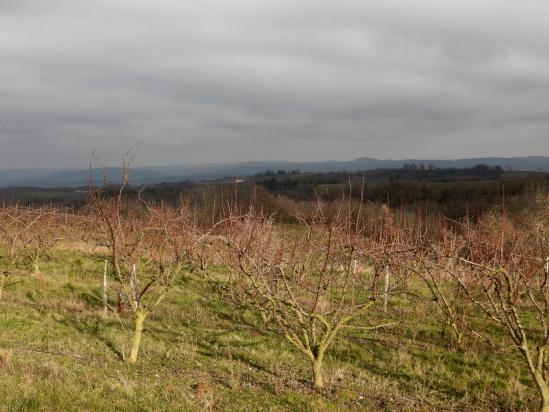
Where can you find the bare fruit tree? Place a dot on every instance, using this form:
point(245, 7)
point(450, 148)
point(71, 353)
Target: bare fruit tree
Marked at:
point(503, 269)
point(11, 253)
point(430, 258)
point(311, 280)
point(42, 240)
point(26, 234)
point(146, 245)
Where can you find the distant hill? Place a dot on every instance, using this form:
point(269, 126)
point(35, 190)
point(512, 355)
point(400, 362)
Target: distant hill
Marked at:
point(150, 175)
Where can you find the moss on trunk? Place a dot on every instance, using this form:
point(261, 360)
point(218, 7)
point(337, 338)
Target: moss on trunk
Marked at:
point(139, 319)
point(318, 378)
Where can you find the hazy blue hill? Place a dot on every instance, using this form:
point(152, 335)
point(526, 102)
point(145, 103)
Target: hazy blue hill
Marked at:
point(75, 178)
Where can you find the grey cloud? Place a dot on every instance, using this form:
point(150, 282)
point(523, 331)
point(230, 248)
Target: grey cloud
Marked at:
point(228, 81)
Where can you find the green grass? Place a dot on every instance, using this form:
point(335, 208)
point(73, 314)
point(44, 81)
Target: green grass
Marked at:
point(200, 353)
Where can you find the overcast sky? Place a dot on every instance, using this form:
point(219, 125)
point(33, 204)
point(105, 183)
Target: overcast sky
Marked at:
point(224, 81)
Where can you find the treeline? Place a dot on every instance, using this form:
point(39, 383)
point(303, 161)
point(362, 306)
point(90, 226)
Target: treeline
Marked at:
point(453, 193)
point(407, 172)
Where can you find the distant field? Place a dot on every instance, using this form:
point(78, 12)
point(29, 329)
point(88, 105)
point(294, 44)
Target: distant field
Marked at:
point(199, 353)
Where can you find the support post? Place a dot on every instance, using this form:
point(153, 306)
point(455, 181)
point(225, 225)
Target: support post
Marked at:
point(105, 308)
point(386, 291)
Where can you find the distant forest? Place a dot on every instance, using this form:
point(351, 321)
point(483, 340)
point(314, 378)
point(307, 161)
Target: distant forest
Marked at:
point(451, 192)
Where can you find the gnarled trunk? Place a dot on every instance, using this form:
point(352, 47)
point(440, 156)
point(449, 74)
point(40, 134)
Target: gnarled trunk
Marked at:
point(139, 319)
point(543, 389)
point(317, 359)
point(537, 371)
point(318, 379)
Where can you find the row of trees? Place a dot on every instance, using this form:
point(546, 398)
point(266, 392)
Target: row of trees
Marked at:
point(496, 267)
point(311, 280)
point(28, 237)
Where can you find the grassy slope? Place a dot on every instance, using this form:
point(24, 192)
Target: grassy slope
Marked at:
point(200, 353)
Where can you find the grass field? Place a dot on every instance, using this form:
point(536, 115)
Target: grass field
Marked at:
point(58, 352)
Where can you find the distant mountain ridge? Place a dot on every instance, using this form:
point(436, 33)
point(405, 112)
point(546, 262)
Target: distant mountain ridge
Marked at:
point(151, 175)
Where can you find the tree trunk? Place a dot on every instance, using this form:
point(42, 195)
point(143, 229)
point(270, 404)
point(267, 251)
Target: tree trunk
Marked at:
point(545, 403)
point(318, 379)
point(543, 388)
point(537, 374)
point(139, 319)
point(458, 335)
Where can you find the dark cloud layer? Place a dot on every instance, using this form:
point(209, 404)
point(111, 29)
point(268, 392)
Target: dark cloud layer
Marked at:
point(214, 81)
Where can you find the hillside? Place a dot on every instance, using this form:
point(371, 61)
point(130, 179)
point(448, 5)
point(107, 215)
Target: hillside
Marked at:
point(200, 353)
